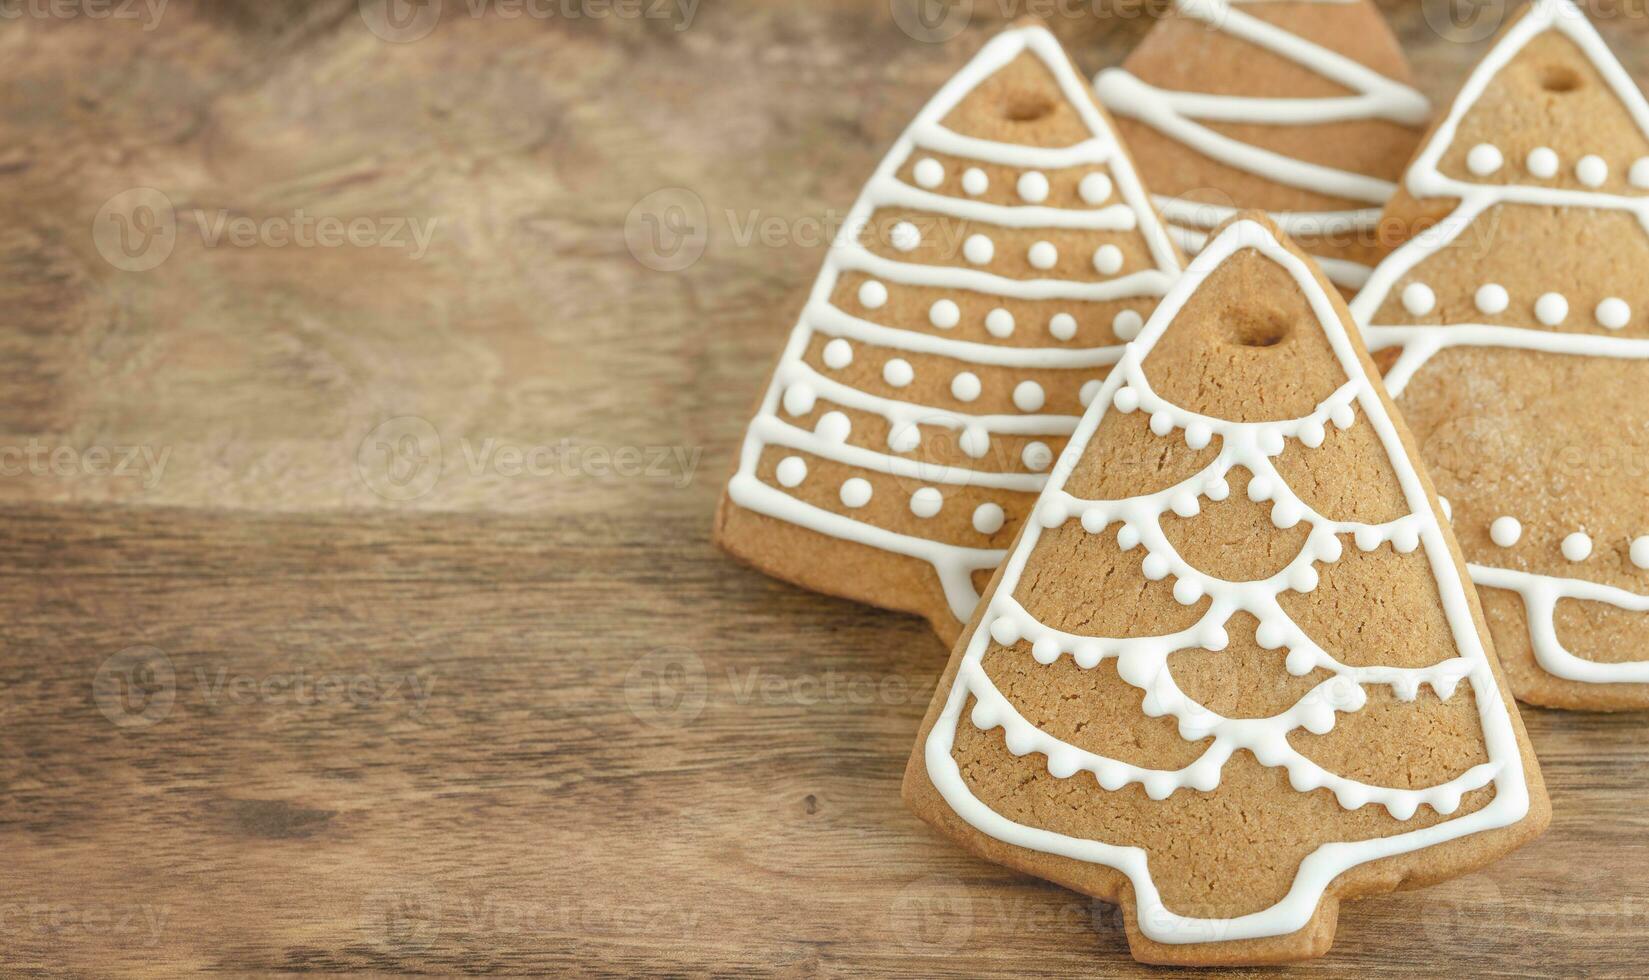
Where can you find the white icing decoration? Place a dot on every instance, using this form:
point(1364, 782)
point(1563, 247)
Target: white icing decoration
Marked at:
point(1591, 170)
point(1042, 255)
point(1540, 593)
point(1505, 531)
point(791, 471)
point(1033, 186)
point(1126, 325)
point(904, 437)
point(1542, 162)
point(838, 354)
point(965, 386)
point(1182, 116)
point(930, 173)
point(796, 385)
point(1492, 298)
point(1639, 551)
point(898, 372)
point(979, 249)
point(1095, 188)
point(1028, 396)
point(1108, 260)
point(1551, 309)
point(1142, 661)
point(1062, 326)
point(999, 323)
point(926, 502)
point(944, 314)
point(1577, 546)
point(1448, 508)
point(1037, 456)
point(1613, 313)
point(1484, 159)
point(1418, 298)
point(1639, 174)
point(906, 237)
point(1090, 389)
point(988, 518)
point(855, 492)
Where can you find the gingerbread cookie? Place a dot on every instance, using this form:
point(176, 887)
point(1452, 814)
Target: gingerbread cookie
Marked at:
point(1232, 672)
point(1302, 108)
point(990, 273)
point(1519, 327)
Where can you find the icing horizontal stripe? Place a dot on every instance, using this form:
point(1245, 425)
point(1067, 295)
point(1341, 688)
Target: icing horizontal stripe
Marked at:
point(1296, 223)
point(1541, 594)
point(779, 433)
point(835, 322)
point(892, 192)
point(898, 412)
point(939, 139)
point(855, 257)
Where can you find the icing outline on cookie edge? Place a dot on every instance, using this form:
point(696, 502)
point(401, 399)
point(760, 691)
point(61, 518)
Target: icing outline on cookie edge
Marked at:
point(1540, 593)
point(1005, 620)
point(794, 378)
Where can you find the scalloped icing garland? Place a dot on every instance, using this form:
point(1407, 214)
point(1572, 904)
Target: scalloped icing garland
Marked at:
point(1540, 593)
point(1142, 661)
point(796, 385)
point(1178, 115)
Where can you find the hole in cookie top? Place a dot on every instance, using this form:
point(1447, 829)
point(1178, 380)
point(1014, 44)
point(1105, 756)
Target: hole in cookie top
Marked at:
point(1559, 78)
point(1027, 106)
point(1258, 328)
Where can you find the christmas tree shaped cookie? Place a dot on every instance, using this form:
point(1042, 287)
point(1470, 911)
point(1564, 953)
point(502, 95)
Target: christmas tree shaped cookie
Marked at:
point(1299, 108)
point(1518, 324)
point(988, 276)
point(1232, 672)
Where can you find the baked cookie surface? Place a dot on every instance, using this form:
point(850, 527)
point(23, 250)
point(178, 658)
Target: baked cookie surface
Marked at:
point(991, 270)
point(1232, 671)
point(1515, 323)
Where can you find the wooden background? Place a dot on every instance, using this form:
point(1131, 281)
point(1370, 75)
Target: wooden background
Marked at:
point(398, 642)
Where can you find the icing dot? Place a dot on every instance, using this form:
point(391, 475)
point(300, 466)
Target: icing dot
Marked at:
point(855, 491)
point(1543, 161)
point(1108, 260)
point(799, 399)
point(898, 372)
point(975, 182)
point(1033, 186)
point(1126, 400)
point(930, 173)
point(905, 236)
point(1418, 298)
point(838, 354)
point(792, 471)
point(1028, 396)
point(965, 386)
point(999, 322)
point(1591, 170)
point(1640, 551)
point(988, 518)
point(1613, 313)
point(1062, 326)
point(944, 314)
point(1126, 325)
point(926, 502)
point(1505, 531)
point(976, 442)
point(1639, 174)
point(904, 438)
point(872, 294)
point(1090, 391)
point(1577, 546)
point(1551, 308)
point(833, 427)
point(1037, 456)
point(1095, 188)
point(1484, 159)
point(1492, 298)
point(1448, 508)
point(978, 249)
point(1043, 255)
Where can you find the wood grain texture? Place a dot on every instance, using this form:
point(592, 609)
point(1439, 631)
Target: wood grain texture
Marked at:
point(322, 694)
